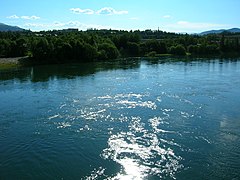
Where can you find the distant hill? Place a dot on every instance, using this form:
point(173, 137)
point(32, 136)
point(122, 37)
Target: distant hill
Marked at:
point(4, 28)
point(233, 30)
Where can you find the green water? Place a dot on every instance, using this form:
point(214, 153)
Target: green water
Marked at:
point(133, 119)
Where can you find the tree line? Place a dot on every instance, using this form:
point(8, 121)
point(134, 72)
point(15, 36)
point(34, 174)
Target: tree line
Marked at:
point(100, 45)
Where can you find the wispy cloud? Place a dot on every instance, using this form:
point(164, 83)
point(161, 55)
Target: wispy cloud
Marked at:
point(102, 11)
point(30, 17)
point(64, 25)
point(35, 25)
point(82, 11)
point(23, 17)
point(167, 16)
point(13, 17)
point(110, 11)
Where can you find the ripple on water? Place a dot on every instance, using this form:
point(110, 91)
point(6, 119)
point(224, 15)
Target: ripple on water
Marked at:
point(141, 153)
point(131, 100)
point(141, 149)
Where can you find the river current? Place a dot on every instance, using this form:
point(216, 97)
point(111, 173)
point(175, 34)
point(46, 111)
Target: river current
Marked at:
point(128, 119)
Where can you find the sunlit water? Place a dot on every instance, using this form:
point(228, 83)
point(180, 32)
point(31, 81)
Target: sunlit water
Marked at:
point(133, 119)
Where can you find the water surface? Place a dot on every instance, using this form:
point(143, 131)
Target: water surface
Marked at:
point(133, 119)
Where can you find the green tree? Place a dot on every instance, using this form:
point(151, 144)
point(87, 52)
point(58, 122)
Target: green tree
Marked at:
point(177, 50)
point(21, 47)
point(90, 52)
point(155, 45)
point(133, 49)
point(108, 51)
point(41, 49)
point(4, 48)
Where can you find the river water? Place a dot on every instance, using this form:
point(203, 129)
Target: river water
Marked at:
point(128, 119)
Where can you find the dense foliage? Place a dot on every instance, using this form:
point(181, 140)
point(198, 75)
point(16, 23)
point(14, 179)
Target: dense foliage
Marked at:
point(94, 45)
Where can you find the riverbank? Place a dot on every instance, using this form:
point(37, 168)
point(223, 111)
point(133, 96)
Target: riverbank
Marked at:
point(6, 63)
point(16, 62)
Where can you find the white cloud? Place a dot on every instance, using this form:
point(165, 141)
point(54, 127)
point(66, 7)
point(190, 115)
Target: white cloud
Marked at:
point(30, 17)
point(110, 11)
point(33, 25)
point(166, 16)
point(24, 17)
point(58, 24)
point(64, 25)
point(82, 11)
point(83, 26)
point(102, 11)
point(13, 17)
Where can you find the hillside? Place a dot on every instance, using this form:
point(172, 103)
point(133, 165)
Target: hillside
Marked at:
point(4, 28)
point(233, 30)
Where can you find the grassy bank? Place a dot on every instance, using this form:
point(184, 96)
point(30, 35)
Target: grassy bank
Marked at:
point(9, 63)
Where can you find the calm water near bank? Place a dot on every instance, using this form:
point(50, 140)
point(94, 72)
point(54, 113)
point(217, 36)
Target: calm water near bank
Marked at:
point(133, 119)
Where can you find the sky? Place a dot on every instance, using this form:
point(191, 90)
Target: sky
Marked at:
point(183, 16)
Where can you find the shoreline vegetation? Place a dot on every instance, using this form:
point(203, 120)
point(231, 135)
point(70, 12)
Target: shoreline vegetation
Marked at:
point(14, 62)
point(73, 46)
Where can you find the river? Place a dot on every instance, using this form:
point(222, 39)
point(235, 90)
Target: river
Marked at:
point(128, 119)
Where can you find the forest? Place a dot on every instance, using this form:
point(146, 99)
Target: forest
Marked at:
point(71, 45)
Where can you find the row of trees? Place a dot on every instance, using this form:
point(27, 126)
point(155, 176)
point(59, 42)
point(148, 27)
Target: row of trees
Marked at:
point(93, 45)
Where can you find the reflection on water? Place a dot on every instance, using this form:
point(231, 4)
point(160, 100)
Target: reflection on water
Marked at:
point(121, 120)
point(47, 72)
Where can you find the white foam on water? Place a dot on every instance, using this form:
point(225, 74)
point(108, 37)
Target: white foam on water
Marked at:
point(141, 153)
point(54, 116)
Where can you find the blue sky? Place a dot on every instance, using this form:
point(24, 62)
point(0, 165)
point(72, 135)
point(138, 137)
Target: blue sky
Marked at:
point(169, 15)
